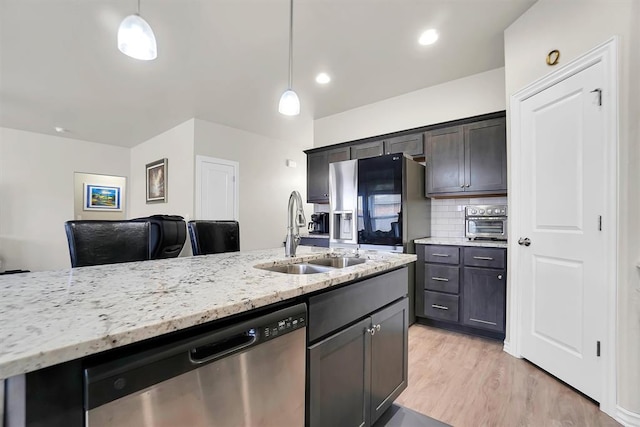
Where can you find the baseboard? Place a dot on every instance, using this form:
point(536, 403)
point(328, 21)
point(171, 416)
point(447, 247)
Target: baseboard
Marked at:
point(507, 349)
point(627, 418)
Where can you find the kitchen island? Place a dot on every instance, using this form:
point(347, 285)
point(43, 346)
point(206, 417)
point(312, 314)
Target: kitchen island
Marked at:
point(51, 318)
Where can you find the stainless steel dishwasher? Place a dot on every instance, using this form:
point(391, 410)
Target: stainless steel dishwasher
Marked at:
point(249, 374)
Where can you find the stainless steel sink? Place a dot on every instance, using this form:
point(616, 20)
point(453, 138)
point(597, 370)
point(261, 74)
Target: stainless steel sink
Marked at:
point(337, 262)
point(297, 269)
point(313, 266)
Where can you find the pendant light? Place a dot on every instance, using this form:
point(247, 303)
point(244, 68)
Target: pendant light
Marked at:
point(136, 38)
point(289, 102)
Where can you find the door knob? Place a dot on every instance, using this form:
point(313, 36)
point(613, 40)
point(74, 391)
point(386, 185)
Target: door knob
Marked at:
point(524, 241)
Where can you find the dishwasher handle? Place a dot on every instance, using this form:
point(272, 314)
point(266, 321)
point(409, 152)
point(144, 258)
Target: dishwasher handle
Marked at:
point(218, 349)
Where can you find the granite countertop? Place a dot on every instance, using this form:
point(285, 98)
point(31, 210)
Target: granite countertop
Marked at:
point(52, 317)
point(460, 241)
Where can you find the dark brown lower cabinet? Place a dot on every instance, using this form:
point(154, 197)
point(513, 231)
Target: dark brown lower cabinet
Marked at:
point(484, 298)
point(389, 348)
point(355, 374)
point(462, 288)
point(338, 383)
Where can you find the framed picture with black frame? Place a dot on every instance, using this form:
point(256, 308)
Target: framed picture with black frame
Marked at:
point(157, 181)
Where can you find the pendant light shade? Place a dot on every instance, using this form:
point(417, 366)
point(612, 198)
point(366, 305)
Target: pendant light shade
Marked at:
point(136, 38)
point(289, 103)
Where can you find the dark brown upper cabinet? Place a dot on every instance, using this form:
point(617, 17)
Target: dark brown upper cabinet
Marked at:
point(318, 172)
point(469, 159)
point(367, 149)
point(412, 145)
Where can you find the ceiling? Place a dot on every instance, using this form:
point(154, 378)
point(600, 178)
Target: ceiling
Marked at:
point(225, 61)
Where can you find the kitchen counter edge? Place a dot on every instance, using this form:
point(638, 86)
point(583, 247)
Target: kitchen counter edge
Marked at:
point(460, 242)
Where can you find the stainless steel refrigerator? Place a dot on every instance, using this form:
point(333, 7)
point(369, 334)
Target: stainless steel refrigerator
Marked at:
point(379, 203)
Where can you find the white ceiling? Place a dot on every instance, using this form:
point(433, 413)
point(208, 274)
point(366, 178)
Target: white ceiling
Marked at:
point(225, 61)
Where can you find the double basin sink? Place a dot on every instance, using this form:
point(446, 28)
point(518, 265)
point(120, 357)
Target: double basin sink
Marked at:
point(312, 266)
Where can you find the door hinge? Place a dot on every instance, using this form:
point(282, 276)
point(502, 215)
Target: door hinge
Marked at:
point(600, 223)
point(599, 95)
point(598, 349)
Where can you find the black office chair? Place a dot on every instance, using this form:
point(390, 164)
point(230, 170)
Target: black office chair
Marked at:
point(107, 242)
point(214, 237)
point(168, 233)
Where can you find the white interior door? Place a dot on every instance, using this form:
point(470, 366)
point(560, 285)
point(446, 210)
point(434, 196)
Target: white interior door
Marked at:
point(216, 189)
point(562, 273)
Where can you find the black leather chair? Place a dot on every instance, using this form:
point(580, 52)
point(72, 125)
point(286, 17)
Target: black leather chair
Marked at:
point(214, 237)
point(168, 234)
point(107, 242)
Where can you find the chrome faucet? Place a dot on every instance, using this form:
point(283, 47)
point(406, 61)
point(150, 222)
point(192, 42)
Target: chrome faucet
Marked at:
point(293, 238)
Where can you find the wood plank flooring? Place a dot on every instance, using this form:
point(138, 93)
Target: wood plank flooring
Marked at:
point(469, 381)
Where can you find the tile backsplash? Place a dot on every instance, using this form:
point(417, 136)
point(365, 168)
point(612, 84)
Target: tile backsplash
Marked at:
point(447, 215)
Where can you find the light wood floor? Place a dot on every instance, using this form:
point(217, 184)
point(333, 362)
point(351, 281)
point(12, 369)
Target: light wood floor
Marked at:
point(468, 381)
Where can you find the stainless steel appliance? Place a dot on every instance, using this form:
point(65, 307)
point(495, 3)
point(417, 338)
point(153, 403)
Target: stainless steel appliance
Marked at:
point(378, 203)
point(247, 374)
point(486, 222)
point(319, 223)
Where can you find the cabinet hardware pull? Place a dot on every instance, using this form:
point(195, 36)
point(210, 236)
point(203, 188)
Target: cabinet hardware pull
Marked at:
point(500, 276)
point(440, 279)
point(441, 255)
point(468, 185)
point(378, 327)
point(439, 307)
point(483, 321)
point(462, 186)
point(483, 258)
point(372, 330)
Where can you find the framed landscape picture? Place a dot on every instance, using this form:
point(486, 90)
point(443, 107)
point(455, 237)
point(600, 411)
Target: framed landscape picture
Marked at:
point(157, 181)
point(102, 198)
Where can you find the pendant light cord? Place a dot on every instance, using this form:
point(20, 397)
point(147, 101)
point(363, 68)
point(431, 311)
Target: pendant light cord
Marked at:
point(290, 43)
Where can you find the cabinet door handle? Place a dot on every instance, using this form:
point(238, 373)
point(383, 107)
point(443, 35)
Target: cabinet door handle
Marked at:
point(378, 327)
point(468, 185)
point(462, 186)
point(441, 255)
point(483, 321)
point(499, 276)
point(372, 330)
point(440, 279)
point(483, 258)
point(439, 307)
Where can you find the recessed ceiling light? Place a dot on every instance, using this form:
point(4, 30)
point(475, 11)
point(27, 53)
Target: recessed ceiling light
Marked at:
point(428, 37)
point(323, 78)
point(61, 130)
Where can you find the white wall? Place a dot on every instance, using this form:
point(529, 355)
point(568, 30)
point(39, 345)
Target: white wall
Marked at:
point(265, 180)
point(37, 193)
point(574, 27)
point(176, 145)
point(470, 96)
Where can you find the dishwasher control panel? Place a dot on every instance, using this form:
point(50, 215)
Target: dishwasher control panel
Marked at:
point(283, 326)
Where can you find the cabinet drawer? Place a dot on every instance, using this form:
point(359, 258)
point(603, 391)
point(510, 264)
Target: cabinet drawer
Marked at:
point(485, 257)
point(442, 278)
point(442, 254)
point(441, 306)
point(333, 310)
